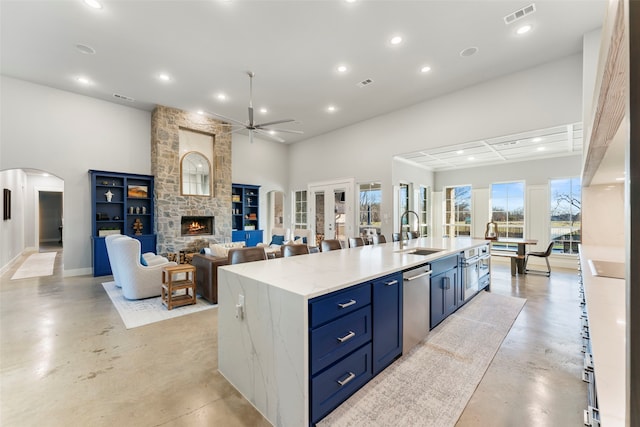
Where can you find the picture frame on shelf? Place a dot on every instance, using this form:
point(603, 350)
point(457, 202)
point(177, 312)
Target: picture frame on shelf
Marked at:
point(138, 191)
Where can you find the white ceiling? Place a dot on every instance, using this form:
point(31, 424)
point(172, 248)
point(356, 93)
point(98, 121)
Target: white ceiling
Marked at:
point(565, 140)
point(293, 47)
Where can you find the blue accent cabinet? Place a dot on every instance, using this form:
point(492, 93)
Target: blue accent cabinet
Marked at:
point(121, 203)
point(245, 214)
point(353, 335)
point(446, 289)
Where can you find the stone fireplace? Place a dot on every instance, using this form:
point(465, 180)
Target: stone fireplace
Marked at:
point(171, 206)
point(196, 225)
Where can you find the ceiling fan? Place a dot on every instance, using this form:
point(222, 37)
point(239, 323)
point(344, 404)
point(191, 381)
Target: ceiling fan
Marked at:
point(251, 126)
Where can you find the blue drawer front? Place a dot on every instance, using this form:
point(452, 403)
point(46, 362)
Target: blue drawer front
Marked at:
point(444, 264)
point(336, 339)
point(327, 393)
point(324, 309)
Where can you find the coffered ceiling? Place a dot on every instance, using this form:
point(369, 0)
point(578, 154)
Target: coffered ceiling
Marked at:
point(295, 49)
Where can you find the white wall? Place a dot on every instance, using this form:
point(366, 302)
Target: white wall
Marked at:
point(537, 98)
point(263, 163)
point(66, 135)
point(12, 230)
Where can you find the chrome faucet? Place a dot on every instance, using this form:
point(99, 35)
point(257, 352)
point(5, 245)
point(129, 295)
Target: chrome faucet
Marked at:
point(402, 216)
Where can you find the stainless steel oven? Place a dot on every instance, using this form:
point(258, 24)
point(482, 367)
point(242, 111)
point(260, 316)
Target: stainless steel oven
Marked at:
point(475, 270)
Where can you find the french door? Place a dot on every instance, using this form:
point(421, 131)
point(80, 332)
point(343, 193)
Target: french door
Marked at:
point(331, 210)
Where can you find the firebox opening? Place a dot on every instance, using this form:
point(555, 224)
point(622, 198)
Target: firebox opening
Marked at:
point(196, 225)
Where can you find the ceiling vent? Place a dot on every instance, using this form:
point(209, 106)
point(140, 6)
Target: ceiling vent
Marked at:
point(123, 97)
point(519, 14)
point(364, 83)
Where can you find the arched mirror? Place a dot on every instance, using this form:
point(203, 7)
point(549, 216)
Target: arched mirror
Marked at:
point(195, 173)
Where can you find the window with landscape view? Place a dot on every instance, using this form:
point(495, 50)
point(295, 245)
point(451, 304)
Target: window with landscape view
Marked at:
point(300, 216)
point(425, 210)
point(370, 198)
point(457, 211)
point(507, 210)
point(565, 215)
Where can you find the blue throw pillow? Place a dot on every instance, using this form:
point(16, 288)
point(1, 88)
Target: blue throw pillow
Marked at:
point(277, 240)
point(143, 261)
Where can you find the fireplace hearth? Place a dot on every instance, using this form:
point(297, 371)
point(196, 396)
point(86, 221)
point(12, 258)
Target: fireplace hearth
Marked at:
point(196, 225)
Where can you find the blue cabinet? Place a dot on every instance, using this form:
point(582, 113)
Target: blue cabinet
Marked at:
point(353, 335)
point(446, 289)
point(249, 237)
point(387, 321)
point(121, 203)
point(245, 214)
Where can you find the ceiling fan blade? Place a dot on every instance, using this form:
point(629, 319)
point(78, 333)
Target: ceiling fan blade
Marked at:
point(250, 116)
point(274, 122)
point(227, 119)
point(232, 131)
point(299, 132)
point(268, 135)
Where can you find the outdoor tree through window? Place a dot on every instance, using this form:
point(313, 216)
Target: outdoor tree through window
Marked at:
point(565, 215)
point(370, 217)
point(457, 211)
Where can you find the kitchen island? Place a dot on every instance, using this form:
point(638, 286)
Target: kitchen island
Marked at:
point(264, 320)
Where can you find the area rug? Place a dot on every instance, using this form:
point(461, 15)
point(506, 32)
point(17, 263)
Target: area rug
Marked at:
point(36, 265)
point(136, 313)
point(431, 385)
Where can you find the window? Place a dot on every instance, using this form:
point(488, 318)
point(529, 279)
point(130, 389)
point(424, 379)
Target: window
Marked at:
point(370, 198)
point(300, 216)
point(457, 208)
point(425, 210)
point(404, 206)
point(565, 216)
point(507, 211)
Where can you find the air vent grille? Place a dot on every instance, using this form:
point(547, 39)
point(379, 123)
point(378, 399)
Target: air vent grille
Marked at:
point(364, 83)
point(519, 14)
point(123, 97)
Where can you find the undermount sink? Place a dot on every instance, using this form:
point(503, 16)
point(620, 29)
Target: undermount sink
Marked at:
point(421, 251)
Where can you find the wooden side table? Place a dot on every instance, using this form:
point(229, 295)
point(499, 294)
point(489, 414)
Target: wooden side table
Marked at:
point(171, 284)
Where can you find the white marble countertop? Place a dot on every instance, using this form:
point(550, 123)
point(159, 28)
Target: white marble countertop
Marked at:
point(321, 273)
point(606, 306)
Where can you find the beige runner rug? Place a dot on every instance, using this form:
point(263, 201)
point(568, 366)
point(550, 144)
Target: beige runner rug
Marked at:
point(431, 385)
point(36, 265)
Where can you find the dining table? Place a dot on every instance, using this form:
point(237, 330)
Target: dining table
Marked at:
point(521, 251)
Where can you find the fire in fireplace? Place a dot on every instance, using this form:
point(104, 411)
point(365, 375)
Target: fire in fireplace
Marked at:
point(196, 225)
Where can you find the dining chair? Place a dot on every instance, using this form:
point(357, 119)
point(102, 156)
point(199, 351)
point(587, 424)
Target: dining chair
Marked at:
point(330, 245)
point(293, 250)
point(354, 242)
point(240, 255)
point(543, 254)
point(395, 237)
point(378, 239)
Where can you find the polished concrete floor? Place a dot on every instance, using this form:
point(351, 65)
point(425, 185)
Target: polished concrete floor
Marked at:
point(66, 359)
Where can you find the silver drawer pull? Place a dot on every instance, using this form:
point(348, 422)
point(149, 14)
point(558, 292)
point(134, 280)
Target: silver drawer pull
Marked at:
point(347, 337)
point(391, 283)
point(347, 380)
point(346, 304)
point(426, 273)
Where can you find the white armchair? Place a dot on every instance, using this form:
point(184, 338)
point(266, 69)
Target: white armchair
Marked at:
point(149, 257)
point(137, 281)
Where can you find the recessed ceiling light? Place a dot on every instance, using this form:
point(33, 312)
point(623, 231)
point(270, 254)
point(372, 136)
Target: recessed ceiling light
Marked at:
point(460, 152)
point(524, 29)
point(221, 96)
point(83, 80)
point(95, 4)
point(540, 148)
point(272, 132)
point(536, 139)
point(342, 68)
point(471, 158)
point(45, 174)
point(87, 50)
point(331, 108)
point(200, 112)
point(164, 77)
point(350, 1)
point(396, 40)
point(469, 51)
point(263, 110)
point(425, 69)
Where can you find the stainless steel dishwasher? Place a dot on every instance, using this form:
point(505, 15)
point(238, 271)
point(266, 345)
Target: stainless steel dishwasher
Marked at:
point(415, 306)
